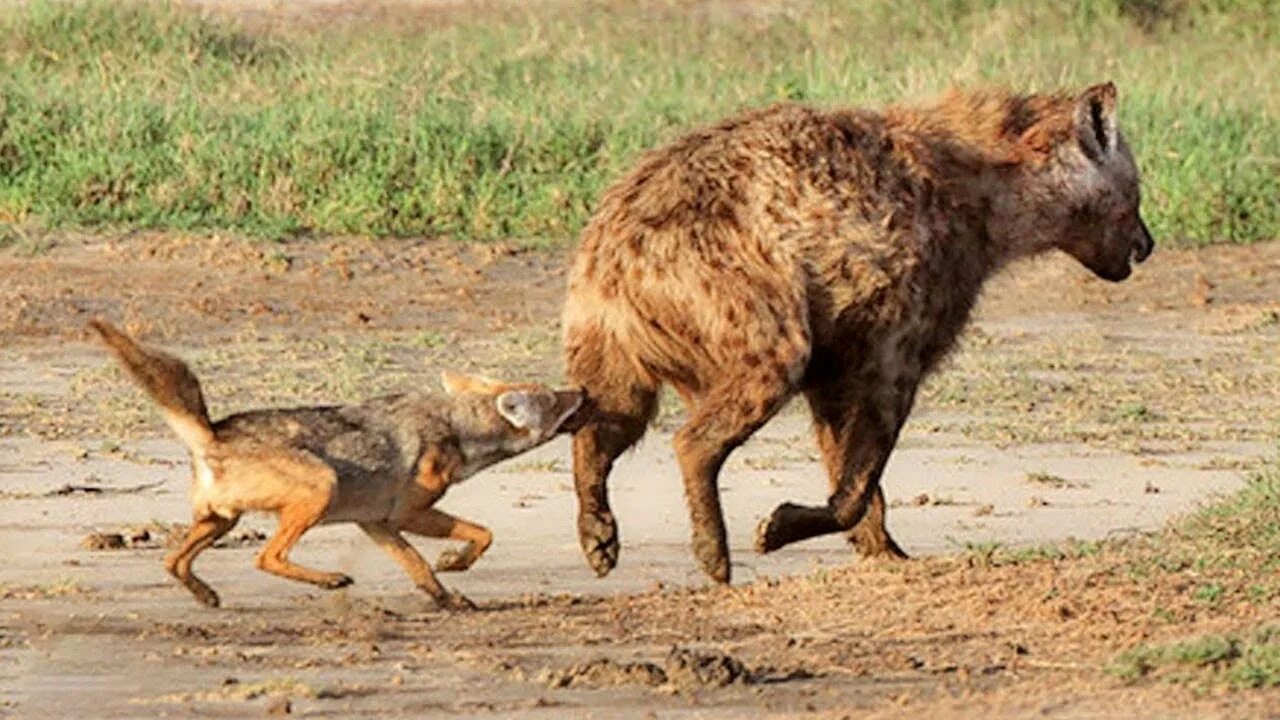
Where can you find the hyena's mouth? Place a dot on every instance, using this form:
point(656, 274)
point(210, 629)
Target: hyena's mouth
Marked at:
point(1145, 244)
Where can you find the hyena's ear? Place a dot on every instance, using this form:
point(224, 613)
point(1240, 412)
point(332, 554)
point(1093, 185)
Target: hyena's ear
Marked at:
point(1096, 120)
point(456, 383)
point(517, 407)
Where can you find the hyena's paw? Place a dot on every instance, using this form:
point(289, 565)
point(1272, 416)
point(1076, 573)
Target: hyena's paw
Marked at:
point(598, 534)
point(712, 556)
point(876, 544)
point(453, 561)
point(454, 602)
point(773, 531)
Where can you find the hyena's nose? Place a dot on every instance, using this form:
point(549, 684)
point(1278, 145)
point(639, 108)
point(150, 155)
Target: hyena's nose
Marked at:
point(1145, 243)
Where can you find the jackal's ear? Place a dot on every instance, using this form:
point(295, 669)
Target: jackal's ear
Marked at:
point(455, 383)
point(1096, 120)
point(517, 407)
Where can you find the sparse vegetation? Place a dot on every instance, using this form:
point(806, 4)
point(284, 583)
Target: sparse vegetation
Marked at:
point(1250, 659)
point(508, 123)
point(120, 115)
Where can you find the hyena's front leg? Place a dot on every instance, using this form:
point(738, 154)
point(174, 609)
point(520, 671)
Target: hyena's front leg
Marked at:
point(871, 430)
point(833, 425)
point(871, 537)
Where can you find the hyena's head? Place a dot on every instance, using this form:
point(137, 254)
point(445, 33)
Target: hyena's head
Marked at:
point(497, 420)
point(1087, 187)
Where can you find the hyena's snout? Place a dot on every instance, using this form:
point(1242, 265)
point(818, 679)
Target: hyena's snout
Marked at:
point(1143, 243)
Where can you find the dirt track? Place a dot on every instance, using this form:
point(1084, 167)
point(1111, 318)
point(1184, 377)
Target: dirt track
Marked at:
point(1075, 409)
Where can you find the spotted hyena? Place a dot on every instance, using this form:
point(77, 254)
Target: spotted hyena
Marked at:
point(834, 253)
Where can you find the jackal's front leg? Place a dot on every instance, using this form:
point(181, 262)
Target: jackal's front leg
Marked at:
point(477, 539)
point(389, 539)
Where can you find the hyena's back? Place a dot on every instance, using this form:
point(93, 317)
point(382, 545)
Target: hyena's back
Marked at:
point(700, 260)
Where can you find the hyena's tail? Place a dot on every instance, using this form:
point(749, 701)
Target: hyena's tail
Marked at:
point(168, 381)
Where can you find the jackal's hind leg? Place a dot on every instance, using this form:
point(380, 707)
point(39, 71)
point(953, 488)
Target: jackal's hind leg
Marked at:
point(202, 534)
point(306, 485)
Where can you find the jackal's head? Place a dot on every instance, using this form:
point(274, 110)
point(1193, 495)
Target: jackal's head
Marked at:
point(1087, 186)
point(497, 420)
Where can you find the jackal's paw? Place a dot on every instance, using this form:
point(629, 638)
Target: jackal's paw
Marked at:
point(206, 596)
point(335, 581)
point(454, 601)
point(452, 561)
point(771, 532)
point(598, 534)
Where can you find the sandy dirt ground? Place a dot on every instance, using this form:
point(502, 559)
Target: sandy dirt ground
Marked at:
point(1074, 410)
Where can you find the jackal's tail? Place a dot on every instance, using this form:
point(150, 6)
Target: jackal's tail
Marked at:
point(167, 380)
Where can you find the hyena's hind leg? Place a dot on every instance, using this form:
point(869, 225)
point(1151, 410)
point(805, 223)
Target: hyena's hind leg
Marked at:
point(722, 420)
point(622, 403)
point(204, 532)
point(833, 425)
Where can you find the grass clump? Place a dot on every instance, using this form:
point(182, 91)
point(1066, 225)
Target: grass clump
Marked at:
point(508, 122)
point(1228, 553)
point(1247, 660)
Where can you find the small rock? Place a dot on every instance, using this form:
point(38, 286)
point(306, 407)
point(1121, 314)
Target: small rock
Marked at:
point(1202, 293)
point(984, 510)
point(103, 541)
point(283, 706)
point(1034, 501)
point(920, 500)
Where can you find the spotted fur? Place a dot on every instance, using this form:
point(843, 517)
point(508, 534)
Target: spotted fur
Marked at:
point(831, 253)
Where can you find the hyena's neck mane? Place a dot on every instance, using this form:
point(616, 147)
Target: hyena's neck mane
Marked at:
point(990, 126)
point(968, 151)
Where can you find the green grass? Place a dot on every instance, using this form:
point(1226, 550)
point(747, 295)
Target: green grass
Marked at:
point(1228, 553)
point(1237, 534)
point(1250, 659)
point(509, 125)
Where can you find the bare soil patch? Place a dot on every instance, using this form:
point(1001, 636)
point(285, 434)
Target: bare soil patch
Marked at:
point(1075, 409)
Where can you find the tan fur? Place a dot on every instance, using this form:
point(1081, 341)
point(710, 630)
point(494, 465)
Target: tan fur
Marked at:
point(834, 253)
point(382, 464)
